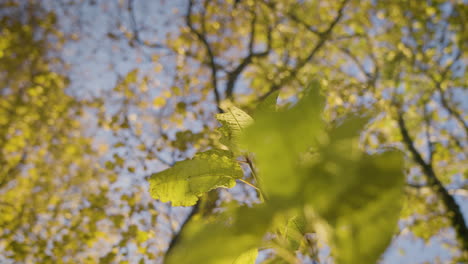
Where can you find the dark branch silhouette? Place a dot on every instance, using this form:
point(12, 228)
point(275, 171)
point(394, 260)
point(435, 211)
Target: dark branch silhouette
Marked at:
point(136, 32)
point(234, 74)
point(323, 37)
point(455, 215)
point(206, 44)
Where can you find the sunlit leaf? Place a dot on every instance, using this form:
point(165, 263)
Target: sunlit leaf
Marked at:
point(187, 180)
point(248, 257)
point(234, 121)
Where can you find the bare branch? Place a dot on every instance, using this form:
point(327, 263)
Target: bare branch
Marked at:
point(234, 75)
point(149, 150)
point(296, 19)
point(430, 145)
point(446, 104)
point(211, 56)
point(356, 61)
point(136, 33)
point(462, 191)
point(323, 37)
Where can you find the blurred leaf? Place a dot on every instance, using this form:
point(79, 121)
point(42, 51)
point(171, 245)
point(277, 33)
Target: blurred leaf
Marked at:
point(268, 105)
point(232, 238)
point(360, 219)
point(351, 198)
point(159, 102)
point(248, 257)
point(293, 232)
point(278, 140)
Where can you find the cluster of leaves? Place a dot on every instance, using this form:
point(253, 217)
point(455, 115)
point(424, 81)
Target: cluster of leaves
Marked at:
point(53, 194)
point(403, 60)
point(308, 173)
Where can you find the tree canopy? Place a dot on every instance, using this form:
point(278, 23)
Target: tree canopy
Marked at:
point(233, 131)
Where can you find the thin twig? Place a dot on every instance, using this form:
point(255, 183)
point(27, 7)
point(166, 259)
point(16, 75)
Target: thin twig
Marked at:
point(136, 33)
point(249, 184)
point(234, 74)
point(211, 56)
point(324, 36)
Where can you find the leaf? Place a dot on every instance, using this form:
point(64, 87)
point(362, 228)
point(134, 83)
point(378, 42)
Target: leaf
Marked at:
point(233, 238)
point(159, 102)
point(289, 231)
point(361, 218)
point(351, 198)
point(293, 232)
point(187, 180)
point(234, 121)
point(247, 257)
point(354, 198)
point(268, 105)
point(279, 139)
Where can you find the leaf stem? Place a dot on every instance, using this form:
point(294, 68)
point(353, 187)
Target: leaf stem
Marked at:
point(249, 184)
point(261, 195)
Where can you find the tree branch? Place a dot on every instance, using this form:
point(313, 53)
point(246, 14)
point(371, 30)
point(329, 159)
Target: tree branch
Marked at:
point(452, 112)
point(211, 57)
point(455, 215)
point(323, 37)
point(234, 75)
point(429, 143)
point(461, 191)
point(136, 33)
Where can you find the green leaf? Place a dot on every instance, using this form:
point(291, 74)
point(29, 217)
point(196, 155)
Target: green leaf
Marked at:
point(232, 238)
point(234, 121)
point(268, 105)
point(187, 180)
point(278, 140)
point(360, 219)
point(289, 230)
point(247, 257)
point(294, 232)
point(351, 198)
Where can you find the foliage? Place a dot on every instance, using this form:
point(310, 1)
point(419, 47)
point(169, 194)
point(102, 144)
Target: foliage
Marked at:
point(350, 197)
point(139, 86)
point(53, 195)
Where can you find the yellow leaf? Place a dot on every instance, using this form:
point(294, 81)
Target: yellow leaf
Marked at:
point(159, 102)
point(158, 68)
point(166, 94)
